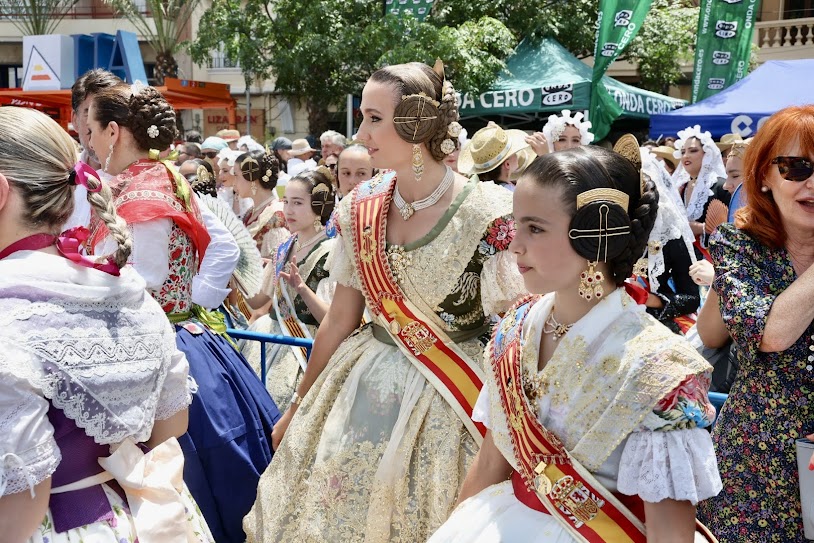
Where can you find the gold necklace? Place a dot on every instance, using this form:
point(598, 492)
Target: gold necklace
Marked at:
point(552, 326)
point(307, 244)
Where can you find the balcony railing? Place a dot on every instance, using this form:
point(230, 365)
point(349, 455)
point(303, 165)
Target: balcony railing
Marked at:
point(786, 33)
point(83, 12)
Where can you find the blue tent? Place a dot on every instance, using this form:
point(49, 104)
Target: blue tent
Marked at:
point(743, 107)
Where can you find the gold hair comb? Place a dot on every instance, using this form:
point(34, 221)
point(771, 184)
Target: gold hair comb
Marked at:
point(603, 195)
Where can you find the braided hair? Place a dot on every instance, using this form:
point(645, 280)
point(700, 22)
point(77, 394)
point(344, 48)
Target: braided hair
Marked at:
point(422, 94)
point(320, 185)
point(579, 170)
point(142, 110)
point(260, 167)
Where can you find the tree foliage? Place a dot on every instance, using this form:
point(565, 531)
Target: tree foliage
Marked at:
point(163, 28)
point(35, 17)
point(323, 50)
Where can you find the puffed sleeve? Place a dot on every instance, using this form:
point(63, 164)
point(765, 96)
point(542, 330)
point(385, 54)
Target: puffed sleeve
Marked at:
point(501, 281)
point(671, 456)
point(741, 281)
point(150, 255)
point(178, 387)
point(28, 451)
point(209, 286)
point(340, 262)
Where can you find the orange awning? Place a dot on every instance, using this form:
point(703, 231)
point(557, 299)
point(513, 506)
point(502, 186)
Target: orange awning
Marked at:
point(181, 93)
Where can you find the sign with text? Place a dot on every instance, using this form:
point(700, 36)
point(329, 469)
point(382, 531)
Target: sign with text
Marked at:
point(723, 45)
point(418, 8)
point(217, 119)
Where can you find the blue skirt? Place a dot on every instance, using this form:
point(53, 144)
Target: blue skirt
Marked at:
point(228, 444)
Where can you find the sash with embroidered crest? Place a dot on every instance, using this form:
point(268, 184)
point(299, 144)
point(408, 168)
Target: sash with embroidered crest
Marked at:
point(548, 478)
point(290, 324)
point(453, 374)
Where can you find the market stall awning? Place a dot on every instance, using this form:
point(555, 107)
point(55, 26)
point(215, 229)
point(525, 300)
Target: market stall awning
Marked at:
point(545, 77)
point(744, 106)
point(180, 93)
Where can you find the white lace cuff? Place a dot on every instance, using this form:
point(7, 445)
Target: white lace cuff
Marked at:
point(180, 399)
point(679, 465)
point(28, 469)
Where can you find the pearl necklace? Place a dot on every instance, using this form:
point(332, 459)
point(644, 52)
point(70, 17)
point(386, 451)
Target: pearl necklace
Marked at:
point(307, 244)
point(407, 210)
point(552, 326)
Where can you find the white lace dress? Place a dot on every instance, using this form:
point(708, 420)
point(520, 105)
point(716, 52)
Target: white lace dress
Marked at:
point(85, 350)
point(669, 454)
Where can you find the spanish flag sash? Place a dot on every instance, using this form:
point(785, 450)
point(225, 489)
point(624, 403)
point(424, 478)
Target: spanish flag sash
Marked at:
point(290, 324)
point(549, 479)
point(457, 378)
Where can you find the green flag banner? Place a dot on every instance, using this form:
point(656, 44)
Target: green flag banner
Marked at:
point(723, 45)
point(617, 24)
point(419, 8)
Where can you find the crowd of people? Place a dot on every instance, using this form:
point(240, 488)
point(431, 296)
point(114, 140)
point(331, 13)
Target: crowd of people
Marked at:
point(514, 334)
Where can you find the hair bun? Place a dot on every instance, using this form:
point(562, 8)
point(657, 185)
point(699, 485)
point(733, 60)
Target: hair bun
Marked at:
point(416, 118)
point(600, 230)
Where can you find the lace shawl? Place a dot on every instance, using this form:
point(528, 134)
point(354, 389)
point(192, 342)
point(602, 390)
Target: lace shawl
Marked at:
point(671, 222)
point(97, 347)
point(712, 167)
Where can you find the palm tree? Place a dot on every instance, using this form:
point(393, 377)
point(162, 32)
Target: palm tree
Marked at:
point(35, 17)
point(169, 21)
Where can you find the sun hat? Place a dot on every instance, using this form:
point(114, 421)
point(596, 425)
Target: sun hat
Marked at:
point(727, 141)
point(228, 135)
point(665, 152)
point(300, 147)
point(489, 148)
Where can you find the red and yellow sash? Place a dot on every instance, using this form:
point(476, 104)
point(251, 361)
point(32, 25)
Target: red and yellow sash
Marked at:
point(549, 479)
point(457, 378)
point(286, 315)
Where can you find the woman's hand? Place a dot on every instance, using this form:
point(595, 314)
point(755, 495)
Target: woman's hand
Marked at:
point(654, 301)
point(279, 430)
point(538, 143)
point(293, 277)
point(702, 273)
point(697, 228)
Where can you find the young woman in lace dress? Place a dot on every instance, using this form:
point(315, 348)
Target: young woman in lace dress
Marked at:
point(90, 377)
point(296, 283)
point(375, 444)
point(597, 414)
point(232, 415)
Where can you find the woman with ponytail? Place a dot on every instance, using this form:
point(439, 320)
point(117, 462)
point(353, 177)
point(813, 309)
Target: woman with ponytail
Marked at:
point(597, 413)
point(227, 446)
point(90, 376)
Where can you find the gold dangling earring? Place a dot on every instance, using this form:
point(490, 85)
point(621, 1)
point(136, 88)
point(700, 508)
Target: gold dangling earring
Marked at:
point(590, 282)
point(254, 188)
point(418, 162)
point(317, 224)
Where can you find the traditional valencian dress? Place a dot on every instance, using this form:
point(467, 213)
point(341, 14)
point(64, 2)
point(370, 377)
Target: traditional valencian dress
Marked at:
point(87, 364)
point(290, 317)
point(380, 445)
point(266, 223)
point(618, 415)
point(228, 444)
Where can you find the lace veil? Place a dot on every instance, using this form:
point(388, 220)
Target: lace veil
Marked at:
point(712, 167)
point(671, 222)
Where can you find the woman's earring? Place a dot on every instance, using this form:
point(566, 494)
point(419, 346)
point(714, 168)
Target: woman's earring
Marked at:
point(318, 224)
point(107, 160)
point(590, 283)
point(254, 188)
point(418, 162)
point(764, 188)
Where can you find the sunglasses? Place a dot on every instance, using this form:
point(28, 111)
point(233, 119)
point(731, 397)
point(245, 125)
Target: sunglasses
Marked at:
point(794, 168)
point(210, 154)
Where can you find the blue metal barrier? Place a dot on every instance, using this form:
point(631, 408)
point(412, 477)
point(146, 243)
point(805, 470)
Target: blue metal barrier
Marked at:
point(270, 338)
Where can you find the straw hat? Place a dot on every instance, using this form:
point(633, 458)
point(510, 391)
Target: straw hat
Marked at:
point(727, 141)
point(300, 147)
point(489, 148)
point(525, 157)
point(228, 135)
point(665, 152)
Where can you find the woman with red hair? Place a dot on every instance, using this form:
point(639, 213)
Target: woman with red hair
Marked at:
point(765, 280)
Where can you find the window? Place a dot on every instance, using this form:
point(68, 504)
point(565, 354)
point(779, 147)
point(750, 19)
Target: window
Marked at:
point(11, 76)
point(798, 9)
